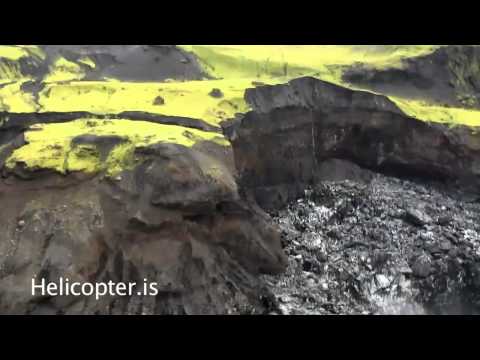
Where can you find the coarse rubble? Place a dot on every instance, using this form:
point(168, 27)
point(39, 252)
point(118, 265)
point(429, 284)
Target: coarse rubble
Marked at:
point(387, 246)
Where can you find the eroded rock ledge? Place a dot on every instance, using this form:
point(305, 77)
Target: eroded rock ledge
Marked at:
point(281, 146)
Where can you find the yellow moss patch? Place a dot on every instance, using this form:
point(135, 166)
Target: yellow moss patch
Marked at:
point(13, 99)
point(84, 158)
point(237, 68)
point(280, 63)
point(290, 61)
point(9, 61)
point(188, 99)
point(428, 112)
point(64, 70)
point(49, 146)
point(12, 52)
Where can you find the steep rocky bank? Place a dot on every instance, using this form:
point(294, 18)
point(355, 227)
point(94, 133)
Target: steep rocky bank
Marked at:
point(175, 219)
point(325, 199)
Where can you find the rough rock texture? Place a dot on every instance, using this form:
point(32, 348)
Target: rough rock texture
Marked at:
point(176, 219)
point(449, 75)
point(188, 219)
point(280, 146)
point(354, 249)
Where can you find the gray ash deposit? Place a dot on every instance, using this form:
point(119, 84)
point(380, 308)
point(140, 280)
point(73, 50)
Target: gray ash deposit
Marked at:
point(386, 246)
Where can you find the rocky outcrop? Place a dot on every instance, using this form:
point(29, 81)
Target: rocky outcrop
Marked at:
point(175, 219)
point(280, 146)
point(449, 75)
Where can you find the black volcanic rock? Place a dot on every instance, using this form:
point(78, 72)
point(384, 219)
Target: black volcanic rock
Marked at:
point(314, 94)
point(417, 217)
point(216, 93)
point(374, 262)
point(280, 146)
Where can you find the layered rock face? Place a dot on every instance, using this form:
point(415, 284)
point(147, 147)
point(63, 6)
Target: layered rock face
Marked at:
point(175, 219)
point(281, 146)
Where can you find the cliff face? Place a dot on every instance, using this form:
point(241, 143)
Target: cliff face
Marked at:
point(175, 219)
point(281, 146)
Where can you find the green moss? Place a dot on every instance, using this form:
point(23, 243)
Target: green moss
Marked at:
point(49, 146)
